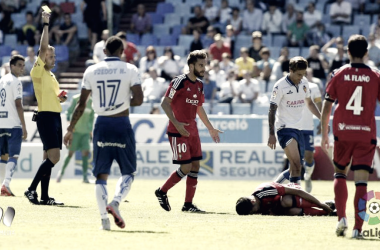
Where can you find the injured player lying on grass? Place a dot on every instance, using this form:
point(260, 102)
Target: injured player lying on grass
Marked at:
point(276, 199)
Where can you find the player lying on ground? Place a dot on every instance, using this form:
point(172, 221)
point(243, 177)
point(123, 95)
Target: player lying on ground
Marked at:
point(276, 199)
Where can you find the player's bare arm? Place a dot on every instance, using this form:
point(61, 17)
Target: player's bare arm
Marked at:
point(301, 193)
point(137, 95)
point(44, 44)
point(78, 112)
point(271, 119)
point(20, 112)
point(313, 108)
point(325, 119)
point(180, 126)
point(214, 133)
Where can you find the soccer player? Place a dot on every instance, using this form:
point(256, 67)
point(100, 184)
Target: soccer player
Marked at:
point(46, 88)
point(111, 83)
point(81, 136)
point(277, 199)
point(290, 95)
point(182, 102)
point(308, 135)
point(12, 122)
point(356, 88)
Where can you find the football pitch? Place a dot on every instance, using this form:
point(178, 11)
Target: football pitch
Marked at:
point(148, 226)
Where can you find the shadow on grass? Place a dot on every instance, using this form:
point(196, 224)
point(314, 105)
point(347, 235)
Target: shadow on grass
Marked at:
point(64, 206)
point(215, 213)
point(138, 232)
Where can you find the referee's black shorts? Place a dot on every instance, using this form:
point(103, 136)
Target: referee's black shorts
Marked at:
point(49, 127)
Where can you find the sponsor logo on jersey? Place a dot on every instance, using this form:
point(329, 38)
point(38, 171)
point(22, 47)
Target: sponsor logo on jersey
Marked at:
point(294, 104)
point(357, 78)
point(304, 88)
point(193, 102)
point(188, 89)
point(195, 96)
point(110, 144)
point(199, 89)
point(290, 92)
point(343, 126)
point(274, 94)
point(171, 94)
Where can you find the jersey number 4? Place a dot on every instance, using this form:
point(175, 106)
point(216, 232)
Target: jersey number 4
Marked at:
point(102, 86)
point(355, 102)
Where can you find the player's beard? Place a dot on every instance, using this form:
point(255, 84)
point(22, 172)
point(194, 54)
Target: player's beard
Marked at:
point(199, 73)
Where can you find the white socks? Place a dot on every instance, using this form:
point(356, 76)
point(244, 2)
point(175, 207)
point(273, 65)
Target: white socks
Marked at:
point(123, 187)
point(9, 170)
point(2, 169)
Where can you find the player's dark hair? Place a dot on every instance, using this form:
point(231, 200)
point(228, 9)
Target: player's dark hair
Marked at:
point(121, 35)
point(195, 55)
point(113, 44)
point(243, 206)
point(357, 46)
point(16, 58)
point(297, 63)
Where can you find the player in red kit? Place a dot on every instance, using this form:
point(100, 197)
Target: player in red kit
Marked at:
point(183, 101)
point(277, 199)
point(356, 88)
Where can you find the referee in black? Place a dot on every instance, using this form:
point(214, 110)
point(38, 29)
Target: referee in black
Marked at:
point(46, 88)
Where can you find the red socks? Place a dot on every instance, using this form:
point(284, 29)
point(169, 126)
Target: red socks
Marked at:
point(173, 179)
point(361, 190)
point(341, 194)
point(191, 186)
point(314, 211)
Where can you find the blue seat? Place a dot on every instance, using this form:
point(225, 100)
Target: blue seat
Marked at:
point(22, 49)
point(294, 51)
point(279, 41)
point(172, 19)
point(155, 17)
point(267, 41)
point(351, 29)
point(10, 40)
point(168, 40)
point(180, 51)
point(334, 29)
point(185, 40)
point(362, 20)
point(161, 29)
point(148, 39)
point(177, 30)
point(305, 52)
point(221, 108)
point(5, 50)
point(164, 8)
point(61, 53)
point(133, 38)
point(82, 31)
point(241, 108)
point(145, 108)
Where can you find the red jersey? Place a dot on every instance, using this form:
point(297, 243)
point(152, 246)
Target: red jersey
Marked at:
point(217, 52)
point(186, 96)
point(269, 194)
point(129, 52)
point(356, 87)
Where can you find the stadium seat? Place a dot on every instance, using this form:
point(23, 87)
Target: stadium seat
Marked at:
point(185, 40)
point(82, 31)
point(164, 8)
point(274, 52)
point(305, 52)
point(21, 48)
point(221, 108)
point(61, 53)
point(148, 39)
point(168, 40)
point(133, 38)
point(180, 50)
point(155, 17)
point(18, 19)
point(294, 51)
point(161, 29)
point(365, 30)
point(145, 108)
point(244, 39)
point(5, 50)
point(350, 29)
point(159, 50)
point(267, 40)
point(5, 59)
point(10, 40)
point(241, 108)
point(279, 41)
point(67, 7)
point(334, 29)
point(177, 30)
point(362, 20)
point(172, 19)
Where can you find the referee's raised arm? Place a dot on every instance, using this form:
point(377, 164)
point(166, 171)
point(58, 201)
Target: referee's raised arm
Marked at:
point(44, 44)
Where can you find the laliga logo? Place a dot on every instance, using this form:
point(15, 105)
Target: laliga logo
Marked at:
point(373, 207)
point(8, 216)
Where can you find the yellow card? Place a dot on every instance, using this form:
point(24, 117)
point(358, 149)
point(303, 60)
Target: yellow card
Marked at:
point(46, 8)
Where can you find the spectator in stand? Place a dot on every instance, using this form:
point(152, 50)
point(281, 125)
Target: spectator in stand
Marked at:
point(339, 60)
point(209, 88)
point(67, 35)
point(297, 32)
point(98, 54)
point(249, 89)
point(236, 21)
point(196, 44)
point(368, 62)
point(288, 17)
point(263, 68)
point(312, 17)
point(131, 54)
point(317, 63)
point(29, 60)
point(257, 45)
point(310, 78)
point(216, 74)
point(281, 66)
point(28, 30)
point(6, 23)
point(208, 39)
point(211, 12)
point(6, 67)
point(229, 40)
point(272, 20)
point(229, 89)
point(117, 12)
point(218, 48)
point(224, 12)
point(373, 50)
point(198, 21)
point(252, 17)
point(319, 36)
point(357, 5)
point(375, 27)
point(244, 62)
point(330, 48)
point(148, 61)
point(10, 6)
point(226, 64)
point(94, 15)
point(340, 12)
point(169, 64)
point(141, 22)
point(154, 87)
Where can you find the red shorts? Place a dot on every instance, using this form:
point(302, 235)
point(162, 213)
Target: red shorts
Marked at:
point(186, 149)
point(360, 152)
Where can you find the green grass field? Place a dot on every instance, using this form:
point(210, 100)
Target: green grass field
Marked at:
point(148, 226)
